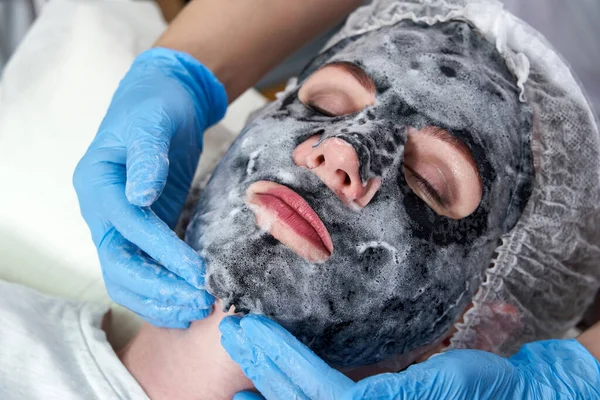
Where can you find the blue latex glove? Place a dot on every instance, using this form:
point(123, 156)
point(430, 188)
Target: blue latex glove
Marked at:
point(283, 368)
point(133, 181)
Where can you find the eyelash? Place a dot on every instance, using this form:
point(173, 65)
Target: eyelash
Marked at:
point(319, 110)
point(427, 190)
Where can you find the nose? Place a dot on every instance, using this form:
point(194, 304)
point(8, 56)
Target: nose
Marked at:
point(336, 163)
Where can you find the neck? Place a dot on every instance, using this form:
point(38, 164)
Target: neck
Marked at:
point(184, 364)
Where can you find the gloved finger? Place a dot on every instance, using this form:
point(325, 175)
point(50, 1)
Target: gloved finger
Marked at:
point(181, 173)
point(148, 158)
point(270, 381)
point(142, 275)
point(248, 396)
point(154, 311)
point(142, 227)
point(457, 374)
point(307, 370)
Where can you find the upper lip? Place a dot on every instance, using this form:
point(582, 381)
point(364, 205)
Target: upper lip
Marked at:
point(268, 200)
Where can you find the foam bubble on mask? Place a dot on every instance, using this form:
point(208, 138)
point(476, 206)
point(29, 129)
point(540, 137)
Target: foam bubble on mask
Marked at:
point(251, 163)
point(264, 218)
point(370, 245)
point(287, 178)
point(234, 212)
point(349, 309)
point(355, 207)
point(232, 196)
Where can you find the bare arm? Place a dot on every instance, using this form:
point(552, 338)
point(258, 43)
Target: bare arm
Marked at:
point(241, 40)
point(170, 8)
point(590, 339)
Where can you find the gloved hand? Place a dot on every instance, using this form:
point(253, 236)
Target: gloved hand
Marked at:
point(133, 181)
point(283, 368)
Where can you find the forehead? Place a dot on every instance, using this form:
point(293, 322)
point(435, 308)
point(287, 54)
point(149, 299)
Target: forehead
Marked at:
point(455, 43)
point(452, 44)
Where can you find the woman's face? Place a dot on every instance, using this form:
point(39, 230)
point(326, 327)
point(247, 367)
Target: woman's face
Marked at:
point(361, 210)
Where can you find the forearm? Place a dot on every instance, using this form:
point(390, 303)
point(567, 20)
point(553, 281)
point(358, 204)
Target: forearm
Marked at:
point(590, 339)
point(241, 40)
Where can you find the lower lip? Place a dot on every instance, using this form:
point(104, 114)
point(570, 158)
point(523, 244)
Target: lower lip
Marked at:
point(291, 221)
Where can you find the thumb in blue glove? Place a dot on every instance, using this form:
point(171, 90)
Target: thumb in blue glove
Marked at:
point(283, 368)
point(277, 363)
point(133, 181)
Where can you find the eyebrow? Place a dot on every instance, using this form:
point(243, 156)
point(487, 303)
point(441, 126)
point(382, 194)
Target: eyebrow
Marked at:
point(447, 137)
point(357, 72)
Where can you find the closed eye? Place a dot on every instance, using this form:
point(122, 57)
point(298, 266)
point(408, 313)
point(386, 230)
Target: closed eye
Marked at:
point(338, 89)
point(319, 110)
point(425, 188)
point(439, 169)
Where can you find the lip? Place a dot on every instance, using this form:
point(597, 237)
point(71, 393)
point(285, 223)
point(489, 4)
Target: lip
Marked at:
point(289, 219)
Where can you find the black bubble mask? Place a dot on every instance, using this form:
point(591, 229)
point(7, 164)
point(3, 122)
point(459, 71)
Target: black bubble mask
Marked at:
point(400, 274)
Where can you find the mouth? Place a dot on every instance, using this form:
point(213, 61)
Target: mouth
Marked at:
point(288, 218)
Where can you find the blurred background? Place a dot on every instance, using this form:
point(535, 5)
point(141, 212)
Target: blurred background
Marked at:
point(16, 16)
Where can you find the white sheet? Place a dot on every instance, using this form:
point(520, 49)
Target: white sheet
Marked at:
point(53, 96)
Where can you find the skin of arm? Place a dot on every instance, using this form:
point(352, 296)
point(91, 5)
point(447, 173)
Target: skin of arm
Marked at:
point(590, 339)
point(241, 40)
point(170, 8)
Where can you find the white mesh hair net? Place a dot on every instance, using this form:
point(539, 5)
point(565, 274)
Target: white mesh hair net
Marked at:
point(547, 269)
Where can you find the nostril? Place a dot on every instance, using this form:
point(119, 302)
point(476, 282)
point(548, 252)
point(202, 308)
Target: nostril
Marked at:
point(320, 161)
point(347, 180)
point(345, 177)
